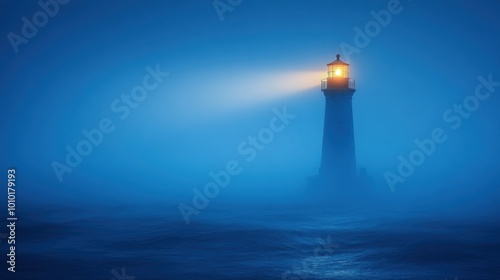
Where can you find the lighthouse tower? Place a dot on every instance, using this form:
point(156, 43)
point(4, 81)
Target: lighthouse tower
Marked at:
point(338, 159)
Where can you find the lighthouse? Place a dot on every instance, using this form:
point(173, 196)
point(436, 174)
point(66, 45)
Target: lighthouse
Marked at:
point(338, 158)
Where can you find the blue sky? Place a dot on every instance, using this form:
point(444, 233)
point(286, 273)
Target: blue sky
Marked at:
point(225, 78)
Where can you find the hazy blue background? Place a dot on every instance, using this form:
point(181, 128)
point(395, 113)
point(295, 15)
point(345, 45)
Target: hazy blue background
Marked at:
point(225, 79)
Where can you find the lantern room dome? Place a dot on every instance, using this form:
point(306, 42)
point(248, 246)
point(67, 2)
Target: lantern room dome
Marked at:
point(338, 62)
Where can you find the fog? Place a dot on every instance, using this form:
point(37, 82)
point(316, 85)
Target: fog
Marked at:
point(183, 139)
point(226, 82)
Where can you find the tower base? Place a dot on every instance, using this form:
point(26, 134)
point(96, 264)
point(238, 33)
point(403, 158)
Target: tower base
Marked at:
point(343, 188)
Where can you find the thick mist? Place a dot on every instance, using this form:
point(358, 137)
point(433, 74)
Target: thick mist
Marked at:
point(183, 139)
point(215, 85)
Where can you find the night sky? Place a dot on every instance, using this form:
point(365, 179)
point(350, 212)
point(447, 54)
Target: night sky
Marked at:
point(223, 68)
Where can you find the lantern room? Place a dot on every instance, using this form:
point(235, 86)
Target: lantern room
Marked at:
point(338, 76)
point(338, 68)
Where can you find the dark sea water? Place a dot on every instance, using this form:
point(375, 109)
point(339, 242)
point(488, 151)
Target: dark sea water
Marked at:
point(252, 242)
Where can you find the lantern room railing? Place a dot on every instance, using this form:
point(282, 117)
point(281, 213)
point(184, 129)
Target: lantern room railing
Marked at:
point(350, 84)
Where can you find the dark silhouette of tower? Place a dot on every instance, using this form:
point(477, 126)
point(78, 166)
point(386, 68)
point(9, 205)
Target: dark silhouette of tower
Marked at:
point(338, 158)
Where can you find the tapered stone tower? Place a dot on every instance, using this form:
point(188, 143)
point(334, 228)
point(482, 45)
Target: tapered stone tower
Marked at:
point(338, 158)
